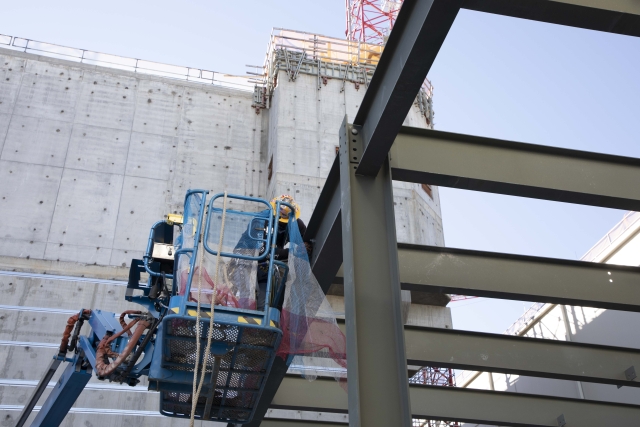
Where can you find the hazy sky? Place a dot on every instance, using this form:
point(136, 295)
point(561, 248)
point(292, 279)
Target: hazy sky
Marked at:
point(495, 76)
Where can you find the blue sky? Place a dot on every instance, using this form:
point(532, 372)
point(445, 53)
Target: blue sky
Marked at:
point(495, 76)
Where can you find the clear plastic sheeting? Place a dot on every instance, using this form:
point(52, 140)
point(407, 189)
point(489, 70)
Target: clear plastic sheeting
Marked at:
point(236, 282)
point(190, 220)
point(310, 330)
point(181, 280)
point(186, 240)
point(244, 236)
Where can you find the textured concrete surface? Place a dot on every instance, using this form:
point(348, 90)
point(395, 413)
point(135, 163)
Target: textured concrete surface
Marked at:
point(91, 157)
point(302, 139)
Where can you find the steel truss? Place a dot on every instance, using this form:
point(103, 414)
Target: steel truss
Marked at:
point(359, 182)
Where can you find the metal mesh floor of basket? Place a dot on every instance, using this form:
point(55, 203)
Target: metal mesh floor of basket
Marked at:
point(235, 374)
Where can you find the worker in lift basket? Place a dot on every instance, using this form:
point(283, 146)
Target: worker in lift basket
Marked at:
point(281, 253)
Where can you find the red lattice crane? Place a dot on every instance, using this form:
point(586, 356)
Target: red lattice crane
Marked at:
point(371, 21)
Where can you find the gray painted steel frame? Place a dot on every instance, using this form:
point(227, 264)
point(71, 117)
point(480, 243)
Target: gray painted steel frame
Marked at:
point(458, 161)
point(375, 338)
point(412, 47)
point(420, 31)
point(612, 16)
point(535, 357)
point(417, 36)
point(520, 355)
point(467, 405)
point(518, 169)
point(517, 409)
point(519, 277)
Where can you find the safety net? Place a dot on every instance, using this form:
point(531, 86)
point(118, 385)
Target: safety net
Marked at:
point(310, 330)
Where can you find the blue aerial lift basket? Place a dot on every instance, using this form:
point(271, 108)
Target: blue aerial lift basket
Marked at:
point(245, 340)
point(180, 254)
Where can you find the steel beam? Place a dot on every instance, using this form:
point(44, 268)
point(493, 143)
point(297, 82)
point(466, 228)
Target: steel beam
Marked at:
point(519, 277)
point(508, 354)
point(467, 405)
point(325, 230)
point(436, 269)
point(417, 36)
point(613, 16)
point(517, 409)
point(534, 357)
point(515, 168)
point(377, 397)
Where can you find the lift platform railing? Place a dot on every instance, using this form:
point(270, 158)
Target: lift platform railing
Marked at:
point(246, 337)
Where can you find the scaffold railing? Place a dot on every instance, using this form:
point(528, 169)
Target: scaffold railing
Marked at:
point(299, 52)
point(135, 65)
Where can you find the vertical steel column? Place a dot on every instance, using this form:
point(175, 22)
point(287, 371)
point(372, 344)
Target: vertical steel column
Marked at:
point(377, 368)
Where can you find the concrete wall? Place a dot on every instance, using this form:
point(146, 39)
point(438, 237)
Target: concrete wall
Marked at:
point(303, 135)
point(91, 157)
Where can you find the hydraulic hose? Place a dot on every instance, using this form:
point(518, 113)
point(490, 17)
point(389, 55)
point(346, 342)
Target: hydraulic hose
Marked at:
point(123, 323)
point(105, 368)
point(64, 344)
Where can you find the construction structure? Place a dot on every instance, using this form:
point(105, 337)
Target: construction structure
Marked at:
point(96, 148)
point(374, 148)
point(357, 196)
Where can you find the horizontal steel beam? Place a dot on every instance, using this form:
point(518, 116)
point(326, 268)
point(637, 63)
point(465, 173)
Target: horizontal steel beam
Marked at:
point(460, 161)
point(519, 277)
point(417, 36)
point(508, 354)
point(612, 16)
point(467, 405)
point(515, 168)
point(534, 357)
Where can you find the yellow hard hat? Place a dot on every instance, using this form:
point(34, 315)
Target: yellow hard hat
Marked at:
point(285, 210)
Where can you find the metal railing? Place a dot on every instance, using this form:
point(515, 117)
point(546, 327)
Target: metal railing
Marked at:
point(330, 49)
point(327, 57)
point(85, 56)
point(629, 219)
